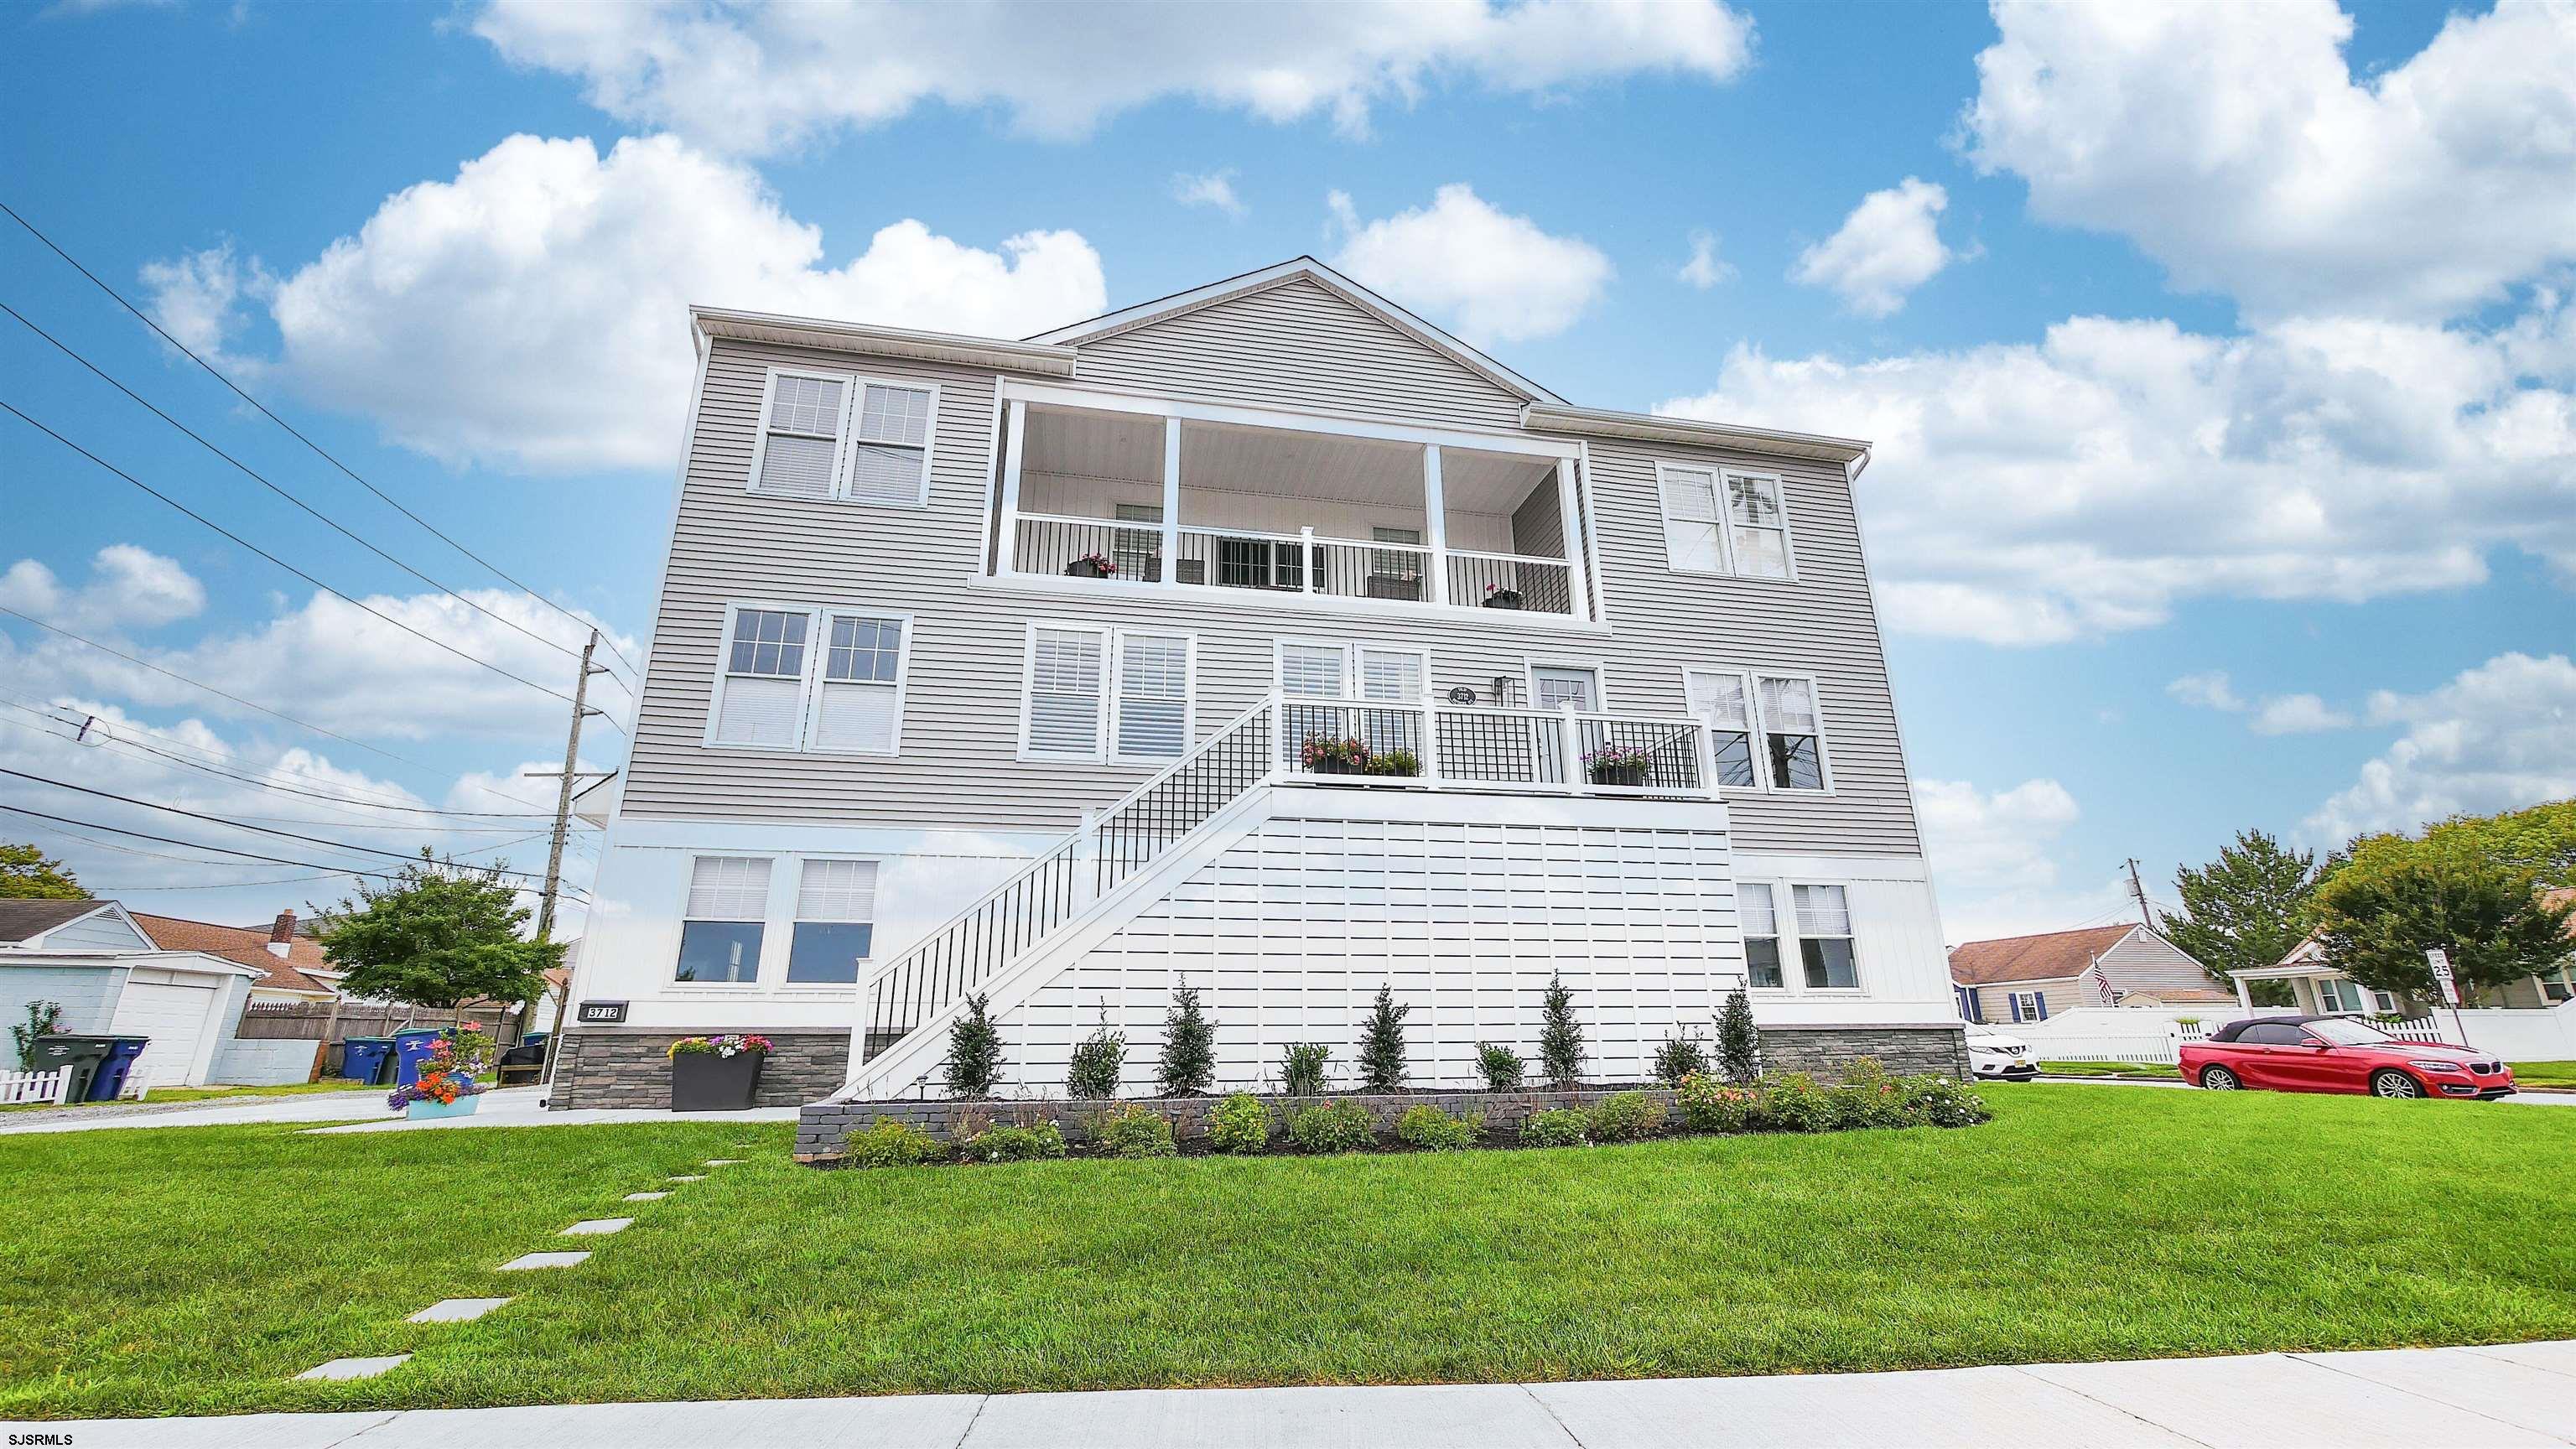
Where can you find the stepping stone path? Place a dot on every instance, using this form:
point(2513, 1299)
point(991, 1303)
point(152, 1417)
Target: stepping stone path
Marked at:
point(456, 1310)
point(724, 1162)
point(356, 1368)
point(688, 1177)
point(596, 1227)
point(646, 1196)
point(526, 1261)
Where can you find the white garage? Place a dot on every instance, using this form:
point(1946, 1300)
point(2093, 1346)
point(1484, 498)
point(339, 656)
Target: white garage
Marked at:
point(181, 1011)
point(90, 962)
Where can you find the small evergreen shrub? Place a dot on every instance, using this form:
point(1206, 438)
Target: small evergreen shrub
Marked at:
point(1303, 1068)
point(1092, 1074)
point(1332, 1127)
point(1627, 1117)
point(1381, 1055)
point(1500, 1066)
point(1560, 1039)
point(1189, 1046)
point(1133, 1131)
point(1012, 1142)
point(1240, 1123)
point(1680, 1056)
point(1739, 1042)
point(974, 1065)
point(1433, 1130)
point(1709, 1105)
point(890, 1143)
point(1555, 1127)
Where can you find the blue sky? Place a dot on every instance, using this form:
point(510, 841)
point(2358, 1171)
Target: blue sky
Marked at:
point(2220, 361)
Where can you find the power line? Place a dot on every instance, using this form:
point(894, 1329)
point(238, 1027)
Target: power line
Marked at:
point(190, 353)
point(336, 870)
point(282, 492)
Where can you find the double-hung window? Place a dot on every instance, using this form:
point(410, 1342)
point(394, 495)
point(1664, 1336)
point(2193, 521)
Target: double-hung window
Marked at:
point(823, 680)
point(827, 435)
point(1106, 694)
point(1757, 526)
point(2029, 1006)
point(1825, 937)
point(1792, 733)
point(1691, 537)
point(1809, 925)
point(1763, 729)
point(836, 908)
point(720, 929)
point(1326, 669)
point(1761, 934)
point(1721, 700)
point(1720, 522)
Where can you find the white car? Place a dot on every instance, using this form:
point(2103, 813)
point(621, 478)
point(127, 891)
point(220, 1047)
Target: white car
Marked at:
point(1999, 1058)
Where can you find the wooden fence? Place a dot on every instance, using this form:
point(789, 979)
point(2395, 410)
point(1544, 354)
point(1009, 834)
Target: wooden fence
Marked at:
point(294, 1020)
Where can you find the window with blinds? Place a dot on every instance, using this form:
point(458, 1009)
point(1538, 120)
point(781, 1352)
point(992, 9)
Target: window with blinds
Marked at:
point(800, 445)
point(1825, 937)
point(1067, 698)
point(1793, 736)
point(1396, 675)
point(1720, 700)
point(858, 706)
point(798, 679)
point(721, 926)
point(1313, 671)
point(1690, 520)
point(1153, 696)
point(762, 694)
point(1761, 919)
point(836, 909)
point(824, 436)
point(1757, 526)
point(890, 454)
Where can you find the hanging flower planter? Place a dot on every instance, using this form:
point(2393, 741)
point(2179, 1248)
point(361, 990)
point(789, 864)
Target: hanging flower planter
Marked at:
point(1092, 566)
point(1622, 765)
point(1325, 755)
point(1498, 597)
point(716, 1073)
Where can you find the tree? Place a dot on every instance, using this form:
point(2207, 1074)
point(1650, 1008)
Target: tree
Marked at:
point(2244, 910)
point(441, 935)
point(1189, 1046)
point(1739, 1042)
point(1381, 1054)
point(2471, 885)
point(27, 875)
point(1560, 1039)
point(1098, 1061)
point(974, 1062)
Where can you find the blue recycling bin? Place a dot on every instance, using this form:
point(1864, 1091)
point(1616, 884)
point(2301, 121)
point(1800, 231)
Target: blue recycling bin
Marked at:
point(109, 1082)
point(411, 1052)
point(368, 1059)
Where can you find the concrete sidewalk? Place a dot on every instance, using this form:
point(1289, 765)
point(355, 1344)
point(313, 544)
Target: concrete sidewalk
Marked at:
point(364, 1111)
point(2507, 1396)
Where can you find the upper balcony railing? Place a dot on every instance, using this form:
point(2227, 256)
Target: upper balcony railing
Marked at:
point(1300, 563)
point(1472, 747)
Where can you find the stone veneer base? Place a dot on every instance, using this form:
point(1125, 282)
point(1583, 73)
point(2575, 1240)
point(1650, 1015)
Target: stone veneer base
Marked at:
point(631, 1067)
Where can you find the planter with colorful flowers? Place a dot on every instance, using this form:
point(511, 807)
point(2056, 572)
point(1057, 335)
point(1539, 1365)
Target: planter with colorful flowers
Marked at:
point(716, 1073)
point(446, 1087)
point(1622, 765)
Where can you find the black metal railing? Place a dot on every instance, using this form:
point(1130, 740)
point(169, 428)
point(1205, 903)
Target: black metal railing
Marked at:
point(1500, 747)
point(1350, 738)
point(1639, 754)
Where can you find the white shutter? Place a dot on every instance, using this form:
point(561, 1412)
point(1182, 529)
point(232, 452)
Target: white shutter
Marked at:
point(1065, 693)
point(729, 888)
point(759, 711)
point(837, 890)
point(855, 717)
point(1690, 520)
point(1153, 695)
point(1311, 670)
point(1390, 674)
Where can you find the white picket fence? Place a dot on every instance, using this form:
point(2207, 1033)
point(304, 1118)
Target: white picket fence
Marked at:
point(2145, 1036)
point(17, 1088)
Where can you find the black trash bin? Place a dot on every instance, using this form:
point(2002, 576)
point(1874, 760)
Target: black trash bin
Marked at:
point(80, 1052)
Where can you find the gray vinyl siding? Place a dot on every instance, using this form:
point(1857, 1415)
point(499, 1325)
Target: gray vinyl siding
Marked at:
point(1297, 346)
point(2143, 961)
point(101, 932)
point(87, 995)
point(2063, 994)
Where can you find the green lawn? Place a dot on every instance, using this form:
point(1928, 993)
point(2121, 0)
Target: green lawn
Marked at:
point(193, 1270)
point(202, 1094)
point(2557, 1075)
point(2109, 1069)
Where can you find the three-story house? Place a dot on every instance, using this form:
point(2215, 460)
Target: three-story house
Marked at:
point(1262, 638)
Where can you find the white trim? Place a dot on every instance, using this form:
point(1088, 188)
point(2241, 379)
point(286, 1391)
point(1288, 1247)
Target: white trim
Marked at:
point(1598, 609)
point(1570, 535)
point(795, 918)
point(1651, 428)
point(1150, 405)
point(953, 347)
point(1726, 523)
point(1532, 664)
point(1435, 517)
point(1277, 601)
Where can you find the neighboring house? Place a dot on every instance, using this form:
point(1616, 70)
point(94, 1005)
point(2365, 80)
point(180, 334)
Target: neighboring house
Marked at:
point(290, 962)
point(2030, 978)
point(986, 666)
point(111, 978)
point(2318, 987)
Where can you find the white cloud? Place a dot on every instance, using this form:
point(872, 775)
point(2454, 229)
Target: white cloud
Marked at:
point(1989, 839)
point(1888, 246)
point(1704, 270)
point(2298, 714)
point(753, 77)
point(1212, 189)
point(128, 587)
point(2032, 493)
point(2207, 691)
point(531, 312)
point(2497, 737)
point(1491, 276)
point(2233, 144)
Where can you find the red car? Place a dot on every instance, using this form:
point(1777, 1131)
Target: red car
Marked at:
point(2338, 1054)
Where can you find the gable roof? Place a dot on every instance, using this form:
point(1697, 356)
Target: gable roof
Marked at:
point(243, 946)
point(23, 920)
point(2055, 956)
point(1296, 269)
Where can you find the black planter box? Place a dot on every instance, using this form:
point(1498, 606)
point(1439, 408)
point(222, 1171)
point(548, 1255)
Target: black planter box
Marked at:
point(1083, 568)
point(1632, 776)
point(705, 1082)
point(1503, 599)
point(1339, 767)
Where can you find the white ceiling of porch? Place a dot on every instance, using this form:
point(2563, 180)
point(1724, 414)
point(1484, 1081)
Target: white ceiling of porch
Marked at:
point(1088, 444)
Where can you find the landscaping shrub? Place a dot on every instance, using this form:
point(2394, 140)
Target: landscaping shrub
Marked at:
point(890, 1143)
point(1626, 1117)
point(1560, 1040)
point(1739, 1041)
point(1302, 1068)
point(1092, 1074)
point(1332, 1127)
point(1709, 1105)
point(1133, 1131)
point(1240, 1123)
point(1189, 1046)
point(1941, 1102)
point(1011, 1142)
point(1382, 1045)
point(1679, 1057)
point(1791, 1102)
point(1433, 1130)
point(1555, 1127)
point(1869, 1097)
point(974, 1065)
point(1500, 1066)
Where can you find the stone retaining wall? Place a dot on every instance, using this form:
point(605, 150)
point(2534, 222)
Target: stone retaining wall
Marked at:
point(622, 1067)
point(1906, 1051)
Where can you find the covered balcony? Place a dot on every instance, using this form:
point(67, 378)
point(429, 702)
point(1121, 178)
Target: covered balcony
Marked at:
point(1199, 499)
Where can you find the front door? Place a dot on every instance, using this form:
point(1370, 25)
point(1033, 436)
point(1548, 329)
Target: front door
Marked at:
point(1556, 687)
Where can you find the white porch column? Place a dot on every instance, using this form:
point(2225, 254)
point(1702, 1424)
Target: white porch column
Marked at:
point(1014, 424)
point(1570, 536)
point(1171, 500)
point(1435, 525)
point(2244, 998)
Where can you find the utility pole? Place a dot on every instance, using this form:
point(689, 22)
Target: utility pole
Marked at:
point(2140, 891)
point(565, 777)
